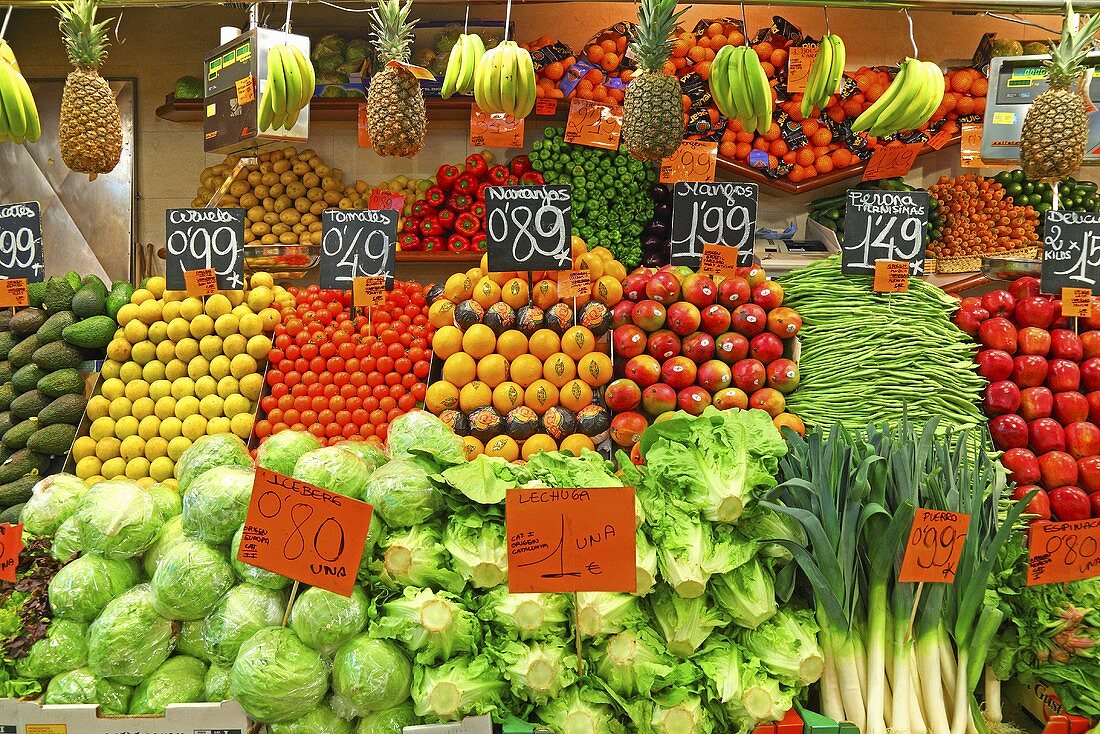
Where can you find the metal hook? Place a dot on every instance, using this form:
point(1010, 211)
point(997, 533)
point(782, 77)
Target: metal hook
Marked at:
point(827, 31)
point(7, 17)
point(744, 24)
point(1021, 21)
point(912, 38)
point(466, 25)
point(118, 24)
point(507, 19)
point(286, 25)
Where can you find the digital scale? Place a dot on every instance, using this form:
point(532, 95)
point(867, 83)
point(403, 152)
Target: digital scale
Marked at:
point(1014, 83)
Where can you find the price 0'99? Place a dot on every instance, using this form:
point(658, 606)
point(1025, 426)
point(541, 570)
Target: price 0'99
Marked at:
point(198, 239)
point(21, 241)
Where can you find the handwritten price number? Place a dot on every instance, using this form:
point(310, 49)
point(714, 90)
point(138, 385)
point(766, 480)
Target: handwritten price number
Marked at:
point(11, 545)
point(935, 547)
point(1063, 551)
point(496, 130)
point(892, 160)
point(270, 505)
point(372, 245)
point(716, 224)
point(877, 244)
point(694, 160)
point(935, 544)
point(200, 245)
point(1080, 266)
point(594, 124)
point(516, 224)
point(17, 250)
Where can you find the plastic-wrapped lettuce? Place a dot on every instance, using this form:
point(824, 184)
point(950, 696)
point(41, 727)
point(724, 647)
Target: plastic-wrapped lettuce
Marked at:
point(368, 452)
point(434, 625)
point(241, 613)
point(130, 640)
point(402, 493)
point(335, 470)
point(64, 648)
point(458, 688)
point(191, 641)
point(166, 499)
point(477, 542)
point(325, 621)
point(117, 519)
point(276, 677)
point(420, 431)
point(216, 503)
point(171, 535)
point(82, 686)
point(221, 449)
point(67, 541)
point(180, 679)
point(416, 557)
point(369, 675)
point(280, 451)
point(321, 720)
point(53, 501)
point(255, 574)
point(216, 684)
point(189, 581)
point(388, 721)
point(83, 588)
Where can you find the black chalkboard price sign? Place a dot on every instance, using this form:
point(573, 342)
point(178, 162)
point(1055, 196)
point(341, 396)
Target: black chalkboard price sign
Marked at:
point(21, 241)
point(356, 243)
point(1071, 251)
point(528, 227)
point(197, 239)
point(714, 214)
point(884, 225)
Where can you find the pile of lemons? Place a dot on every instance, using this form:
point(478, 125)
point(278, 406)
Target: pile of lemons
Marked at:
point(179, 367)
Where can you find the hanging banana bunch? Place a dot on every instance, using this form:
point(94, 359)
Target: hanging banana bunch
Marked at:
point(825, 75)
point(740, 88)
point(18, 113)
point(290, 83)
point(464, 58)
point(908, 102)
point(504, 81)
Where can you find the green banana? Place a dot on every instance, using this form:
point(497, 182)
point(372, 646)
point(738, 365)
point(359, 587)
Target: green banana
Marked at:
point(526, 67)
point(293, 79)
point(739, 90)
point(473, 50)
point(902, 106)
point(933, 95)
point(809, 101)
point(840, 56)
point(263, 122)
point(6, 54)
point(30, 110)
point(454, 65)
point(496, 104)
point(483, 75)
point(277, 83)
point(872, 114)
point(824, 59)
point(309, 77)
point(508, 74)
point(12, 102)
point(760, 93)
point(719, 81)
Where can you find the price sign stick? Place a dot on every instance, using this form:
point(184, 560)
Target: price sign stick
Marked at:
point(913, 613)
point(290, 603)
point(577, 632)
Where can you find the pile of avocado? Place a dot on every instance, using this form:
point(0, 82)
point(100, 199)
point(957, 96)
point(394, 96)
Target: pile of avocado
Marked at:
point(69, 320)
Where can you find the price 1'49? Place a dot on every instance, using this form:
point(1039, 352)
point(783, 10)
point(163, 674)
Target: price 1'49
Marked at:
point(884, 225)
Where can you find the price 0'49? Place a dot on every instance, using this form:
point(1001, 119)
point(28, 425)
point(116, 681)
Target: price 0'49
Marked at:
point(357, 244)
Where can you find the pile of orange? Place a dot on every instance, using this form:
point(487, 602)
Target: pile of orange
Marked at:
point(520, 369)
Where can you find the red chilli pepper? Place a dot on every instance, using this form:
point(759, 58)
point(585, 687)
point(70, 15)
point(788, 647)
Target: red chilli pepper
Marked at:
point(457, 243)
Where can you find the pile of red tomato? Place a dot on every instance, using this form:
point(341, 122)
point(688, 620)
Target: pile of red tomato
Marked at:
point(344, 377)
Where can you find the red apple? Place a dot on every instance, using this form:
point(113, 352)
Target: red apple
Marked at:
point(1022, 465)
point(734, 291)
point(1090, 344)
point(998, 333)
point(1094, 504)
point(1091, 321)
point(999, 303)
point(1002, 397)
point(750, 319)
point(1035, 402)
point(1024, 287)
point(627, 428)
point(663, 287)
point(715, 319)
point(769, 400)
point(1057, 468)
point(679, 372)
point(1059, 322)
point(658, 398)
point(749, 375)
point(1082, 439)
point(649, 315)
point(622, 394)
point(683, 318)
point(714, 375)
point(1039, 506)
point(1063, 375)
point(699, 290)
point(643, 369)
point(783, 375)
point(1093, 399)
point(784, 322)
point(1070, 407)
point(768, 295)
point(766, 347)
point(1029, 370)
point(1037, 311)
point(1033, 340)
point(1090, 374)
point(662, 345)
point(628, 341)
point(1088, 473)
point(1045, 435)
point(969, 302)
point(994, 364)
point(970, 319)
point(731, 347)
point(1009, 431)
point(1065, 344)
point(731, 397)
point(1068, 503)
point(698, 347)
point(634, 285)
point(693, 399)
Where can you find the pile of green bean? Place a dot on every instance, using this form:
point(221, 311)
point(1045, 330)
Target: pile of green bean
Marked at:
point(870, 357)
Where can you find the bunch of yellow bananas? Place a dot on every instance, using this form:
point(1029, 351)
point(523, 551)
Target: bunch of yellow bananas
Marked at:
point(907, 103)
point(290, 82)
point(467, 52)
point(18, 113)
point(504, 81)
point(740, 88)
point(825, 75)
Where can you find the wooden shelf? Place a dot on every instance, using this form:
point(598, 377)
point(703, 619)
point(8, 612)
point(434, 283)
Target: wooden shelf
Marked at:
point(727, 169)
point(419, 256)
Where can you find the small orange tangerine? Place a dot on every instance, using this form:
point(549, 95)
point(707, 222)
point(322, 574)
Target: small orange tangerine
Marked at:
point(510, 344)
point(544, 343)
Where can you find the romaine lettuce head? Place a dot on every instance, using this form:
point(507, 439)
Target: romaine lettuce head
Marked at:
point(333, 469)
point(388, 721)
point(685, 623)
point(581, 710)
point(167, 500)
point(636, 662)
point(736, 680)
point(601, 613)
point(82, 686)
point(180, 679)
point(53, 501)
point(64, 648)
point(416, 557)
point(370, 453)
point(691, 550)
point(537, 671)
point(645, 564)
point(117, 519)
point(280, 451)
point(325, 621)
point(242, 612)
point(464, 686)
point(787, 647)
point(420, 431)
point(746, 594)
point(563, 469)
point(216, 503)
point(477, 543)
point(402, 493)
point(189, 581)
point(191, 641)
point(766, 526)
point(369, 675)
point(525, 616)
point(83, 588)
point(216, 683)
point(67, 541)
point(171, 534)
point(221, 449)
point(434, 625)
point(484, 479)
point(130, 639)
point(254, 574)
point(321, 720)
point(276, 678)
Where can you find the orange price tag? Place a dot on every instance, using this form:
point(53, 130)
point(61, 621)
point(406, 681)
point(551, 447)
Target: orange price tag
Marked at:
point(304, 532)
point(201, 282)
point(970, 148)
point(694, 160)
point(13, 292)
point(800, 60)
point(570, 539)
point(1063, 551)
point(364, 133)
point(494, 131)
point(940, 139)
point(593, 124)
point(546, 106)
point(246, 90)
point(574, 283)
point(386, 200)
point(417, 71)
point(891, 276)
point(1077, 302)
point(889, 161)
point(11, 545)
point(935, 544)
point(718, 260)
point(368, 291)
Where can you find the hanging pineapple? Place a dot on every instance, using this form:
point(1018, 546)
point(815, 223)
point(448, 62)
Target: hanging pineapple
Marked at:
point(90, 131)
point(653, 113)
point(395, 104)
point(1052, 144)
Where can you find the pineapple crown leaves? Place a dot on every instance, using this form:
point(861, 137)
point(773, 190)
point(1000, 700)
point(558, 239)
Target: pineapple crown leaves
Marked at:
point(391, 30)
point(85, 40)
point(1064, 66)
point(651, 38)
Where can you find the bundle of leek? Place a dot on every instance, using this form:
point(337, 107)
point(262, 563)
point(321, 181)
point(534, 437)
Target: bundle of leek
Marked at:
point(899, 656)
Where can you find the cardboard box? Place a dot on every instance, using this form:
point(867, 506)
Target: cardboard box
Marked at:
point(1042, 703)
point(31, 717)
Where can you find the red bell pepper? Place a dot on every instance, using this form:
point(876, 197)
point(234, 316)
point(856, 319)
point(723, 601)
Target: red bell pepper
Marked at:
point(431, 226)
point(420, 208)
point(481, 190)
point(478, 210)
point(476, 165)
point(467, 224)
point(532, 178)
point(409, 242)
point(498, 174)
point(512, 181)
point(460, 202)
point(519, 165)
point(479, 241)
point(446, 175)
point(465, 184)
point(457, 243)
point(435, 244)
point(435, 196)
point(447, 219)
